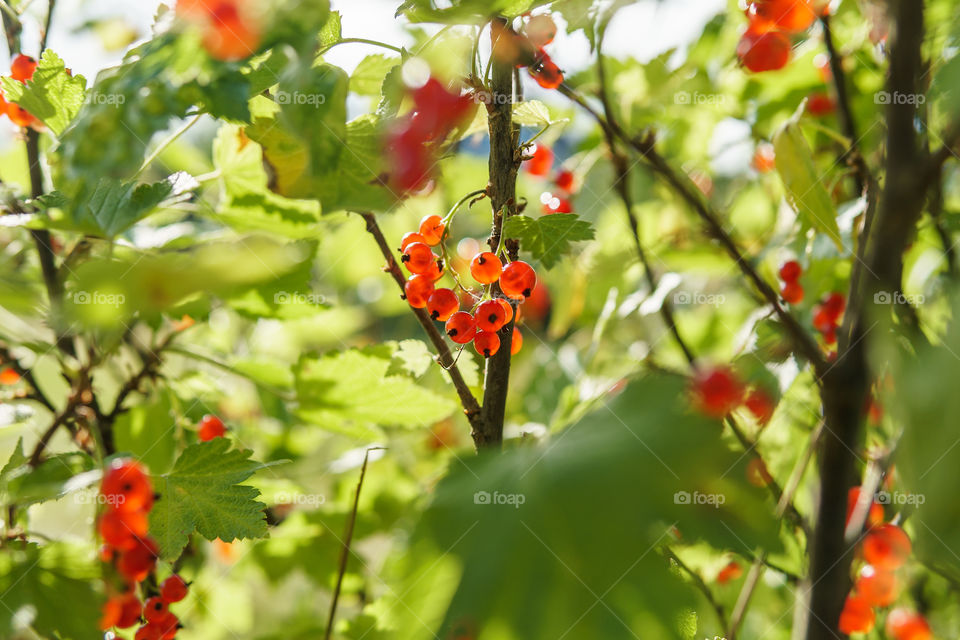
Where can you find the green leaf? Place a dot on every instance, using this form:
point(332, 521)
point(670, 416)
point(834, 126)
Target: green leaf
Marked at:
point(23, 485)
point(549, 237)
point(367, 78)
point(803, 183)
point(635, 465)
point(331, 31)
point(115, 206)
point(352, 389)
point(51, 588)
point(203, 493)
point(148, 431)
point(52, 95)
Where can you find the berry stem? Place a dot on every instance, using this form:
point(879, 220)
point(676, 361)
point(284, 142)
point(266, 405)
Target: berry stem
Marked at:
point(471, 407)
point(375, 43)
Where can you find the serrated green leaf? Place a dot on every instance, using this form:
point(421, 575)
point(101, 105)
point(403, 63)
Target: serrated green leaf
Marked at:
point(803, 183)
point(414, 356)
point(367, 78)
point(549, 237)
point(331, 31)
point(23, 485)
point(115, 206)
point(203, 493)
point(52, 95)
point(353, 389)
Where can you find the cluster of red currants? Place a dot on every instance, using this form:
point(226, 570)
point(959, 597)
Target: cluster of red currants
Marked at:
point(229, 31)
point(791, 290)
point(718, 391)
point(128, 495)
point(488, 314)
point(21, 70)
point(766, 44)
point(541, 164)
point(525, 49)
point(412, 143)
point(885, 549)
point(827, 314)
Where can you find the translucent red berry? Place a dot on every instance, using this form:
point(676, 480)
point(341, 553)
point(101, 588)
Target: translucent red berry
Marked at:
point(22, 68)
point(782, 15)
point(490, 316)
point(485, 267)
point(418, 257)
point(130, 611)
point(886, 547)
point(903, 624)
point(875, 514)
point(792, 292)
point(110, 612)
point(148, 632)
point(461, 327)
point(516, 342)
point(834, 305)
point(555, 204)
point(564, 180)
point(763, 51)
point(487, 343)
point(540, 30)
point(411, 237)
point(790, 271)
point(230, 36)
point(764, 158)
point(173, 589)
point(541, 162)
point(507, 309)
point(211, 427)
point(136, 563)
point(717, 391)
point(761, 404)
point(154, 609)
point(820, 104)
point(546, 72)
point(731, 571)
point(823, 320)
point(877, 587)
point(857, 615)
point(431, 228)
point(168, 626)
point(120, 529)
point(435, 270)
point(417, 290)
point(442, 304)
point(518, 280)
point(126, 487)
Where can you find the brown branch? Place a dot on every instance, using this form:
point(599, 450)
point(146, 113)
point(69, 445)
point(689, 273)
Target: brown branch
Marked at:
point(845, 386)
point(503, 164)
point(51, 5)
point(345, 549)
point(80, 396)
point(802, 341)
point(471, 407)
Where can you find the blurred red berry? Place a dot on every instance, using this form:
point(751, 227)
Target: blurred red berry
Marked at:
point(763, 51)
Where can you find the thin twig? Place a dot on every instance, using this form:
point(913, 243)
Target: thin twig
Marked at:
point(345, 550)
point(471, 408)
point(701, 586)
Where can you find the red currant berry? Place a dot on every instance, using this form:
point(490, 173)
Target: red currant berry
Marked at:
point(486, 267)
point(782, 15)
point(886, 547)
point(546, 72)
point(507, 309)
point(879, 588)
point(487, 343)
point(555, 204)
point(431, 228)
point(210, 427)
point(790, 271)
point(154, 609)
point(764, 158)
point(461, 327)
point(130, 612)
point(442, 304)
point(542, 160)
point(823, 320)
point(230, 36)
point(874, 516)
point(435, 271)
point(417, 290)
point(418, 257)
point(763, 51)
point(834, 306)
point(761, 405)
point(126, 487)
point(903, 624)
point(168, 626)
point(857, 615)
point(136, 563)
point(792, 292)
point(518, 280)
point(731, 571)
point(173, 589)
point(717, 391)
point(516, 342)
point(110, 612)
point(541, 30)
point(409, 238)
point(490, 316)
point(106, 553)
point(820, 104)
point(830, 336)
point(564, 180)
point(148, 632)
point(120, 529)
point(22, 68)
